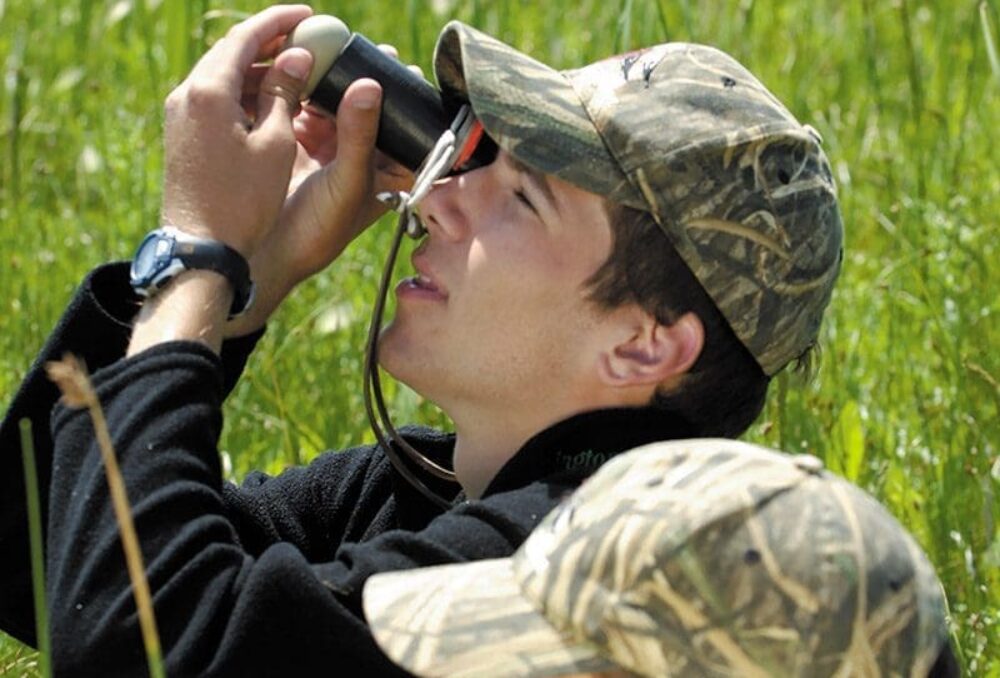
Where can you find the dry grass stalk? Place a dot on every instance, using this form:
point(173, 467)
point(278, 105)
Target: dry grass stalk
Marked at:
point(70, 375)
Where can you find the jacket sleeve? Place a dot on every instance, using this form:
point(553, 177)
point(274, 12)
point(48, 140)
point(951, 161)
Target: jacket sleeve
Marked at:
point(220, 609)
point(96, 327)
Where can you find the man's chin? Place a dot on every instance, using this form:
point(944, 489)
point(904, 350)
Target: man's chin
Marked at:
point(407, 357)
point(390, 353)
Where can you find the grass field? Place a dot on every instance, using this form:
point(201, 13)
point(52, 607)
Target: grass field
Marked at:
point(906, 94)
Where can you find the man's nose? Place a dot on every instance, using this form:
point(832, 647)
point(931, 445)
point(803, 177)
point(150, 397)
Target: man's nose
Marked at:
point(444, 211)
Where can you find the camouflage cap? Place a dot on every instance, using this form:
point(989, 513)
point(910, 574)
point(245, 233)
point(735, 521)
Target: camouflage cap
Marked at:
point(700, 557)
point(687, 134)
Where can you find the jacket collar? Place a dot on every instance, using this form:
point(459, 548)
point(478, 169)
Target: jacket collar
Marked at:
point(582, 443)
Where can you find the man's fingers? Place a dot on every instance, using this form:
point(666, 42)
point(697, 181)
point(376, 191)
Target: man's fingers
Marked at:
point(357, 124)
point(391, 175)
point(349, 179)
point(252, 80)
point(316, 131)
point(250, 40)
point(389, 50)
point(269, 49)
point(253, 77)
point(247, 42)
point(281, 89)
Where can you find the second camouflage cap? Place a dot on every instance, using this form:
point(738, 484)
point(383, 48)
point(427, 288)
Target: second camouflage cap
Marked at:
point(685, 558)
point(685, 133)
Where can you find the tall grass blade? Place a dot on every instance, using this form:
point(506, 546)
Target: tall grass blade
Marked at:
point(962, 117)
point(35, 540)
point(149, 41)
point(916, 93)
point(688, 19)
point(83, 29)
point(623, 38)
point(661, 13)
point(178, 40)
point(781, 404)
point(18, 84)
point(991, 43)
point(876, 88)
point(850, 437)
point(78, 392)
point(746, 16)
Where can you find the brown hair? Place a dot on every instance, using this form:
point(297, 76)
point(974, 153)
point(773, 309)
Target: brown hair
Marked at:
point(725, 388)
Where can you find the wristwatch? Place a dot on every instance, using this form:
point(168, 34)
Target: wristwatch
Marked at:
point(167, 251)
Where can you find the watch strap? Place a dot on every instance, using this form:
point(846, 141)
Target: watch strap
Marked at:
point(177, 251)
point(213, 255)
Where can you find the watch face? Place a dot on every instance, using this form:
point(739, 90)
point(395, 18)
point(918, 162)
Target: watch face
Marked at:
point(152, 257)
point(144, 259)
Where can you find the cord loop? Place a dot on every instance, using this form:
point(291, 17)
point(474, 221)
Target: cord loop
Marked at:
point(439, 163)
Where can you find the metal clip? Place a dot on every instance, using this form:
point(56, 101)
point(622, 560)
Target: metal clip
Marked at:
point(438, 163)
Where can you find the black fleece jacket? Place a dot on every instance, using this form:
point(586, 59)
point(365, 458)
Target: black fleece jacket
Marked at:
point(264, 579)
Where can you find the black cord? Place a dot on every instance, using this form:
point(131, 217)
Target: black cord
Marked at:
point(373, 388)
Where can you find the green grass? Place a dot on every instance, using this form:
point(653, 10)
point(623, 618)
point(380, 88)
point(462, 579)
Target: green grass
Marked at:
point(906, 94)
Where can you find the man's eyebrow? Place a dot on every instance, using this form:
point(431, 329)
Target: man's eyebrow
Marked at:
point(536, 178)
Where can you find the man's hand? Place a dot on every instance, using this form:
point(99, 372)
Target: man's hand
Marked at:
point(226, 171)
point(336, 167)
point(228, 159)
point(234, 134)
point(331, 197)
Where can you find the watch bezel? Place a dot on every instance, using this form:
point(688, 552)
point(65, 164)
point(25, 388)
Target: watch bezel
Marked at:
point(162, 266)
point(151, 271)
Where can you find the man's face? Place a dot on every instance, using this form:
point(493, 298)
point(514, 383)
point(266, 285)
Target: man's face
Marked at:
point(497, 315)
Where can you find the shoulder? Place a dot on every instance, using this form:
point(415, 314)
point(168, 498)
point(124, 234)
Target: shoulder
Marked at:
point(370, 459)
point(521, 509)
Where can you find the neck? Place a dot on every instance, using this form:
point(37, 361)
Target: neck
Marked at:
point(487, 438)
point(482, 447)
point(573, 442)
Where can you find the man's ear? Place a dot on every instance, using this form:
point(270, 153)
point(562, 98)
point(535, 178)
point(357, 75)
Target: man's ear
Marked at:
point(653, 353)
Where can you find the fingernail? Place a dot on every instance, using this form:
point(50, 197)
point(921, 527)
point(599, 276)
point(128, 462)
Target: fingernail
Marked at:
point(295, 69)
point(366, 100)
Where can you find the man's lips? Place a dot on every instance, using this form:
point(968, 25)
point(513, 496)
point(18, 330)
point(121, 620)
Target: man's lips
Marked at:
point(423, 282)
point(419, 287)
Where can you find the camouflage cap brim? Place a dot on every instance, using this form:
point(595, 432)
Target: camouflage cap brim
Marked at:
point(531, 110)
point(689, 558)
point(466, 621)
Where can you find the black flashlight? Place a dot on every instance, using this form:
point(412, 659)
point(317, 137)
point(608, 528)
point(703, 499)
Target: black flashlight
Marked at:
point(414, 114)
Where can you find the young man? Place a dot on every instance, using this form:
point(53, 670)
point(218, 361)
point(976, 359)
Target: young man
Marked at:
point(706, 557)
point(656, 237)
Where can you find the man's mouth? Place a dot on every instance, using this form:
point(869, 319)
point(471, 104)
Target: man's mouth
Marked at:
point(423, 285)
point(423, 282)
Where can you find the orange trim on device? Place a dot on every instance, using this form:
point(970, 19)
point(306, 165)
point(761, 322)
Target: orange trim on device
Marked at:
point(475, 135)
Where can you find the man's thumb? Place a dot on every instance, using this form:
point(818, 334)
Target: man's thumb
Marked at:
point(357, 124)
point(282, 88)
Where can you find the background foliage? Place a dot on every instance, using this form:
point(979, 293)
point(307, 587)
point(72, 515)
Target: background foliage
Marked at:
point(905, 92)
